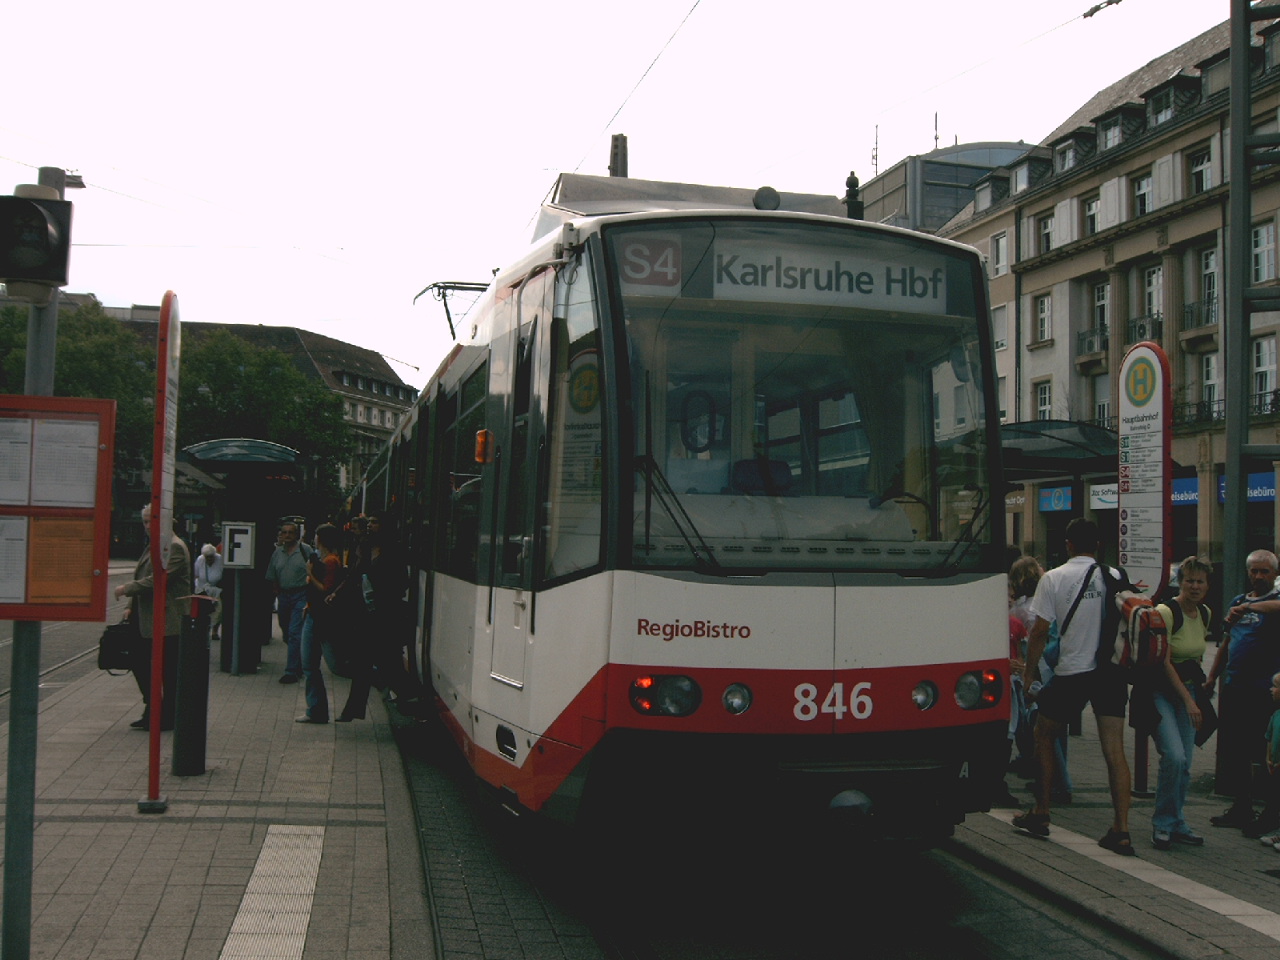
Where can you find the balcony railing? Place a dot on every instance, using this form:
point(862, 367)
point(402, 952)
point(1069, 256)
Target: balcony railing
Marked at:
point(1203, 411)
point(1147, 327)
point(1092, 341)
point(1207, 411)
point(1202, 313)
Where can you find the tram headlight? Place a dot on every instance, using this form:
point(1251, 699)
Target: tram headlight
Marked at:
point(737, 698)
point(925, 694)
point(979, 689)
point(665, 695)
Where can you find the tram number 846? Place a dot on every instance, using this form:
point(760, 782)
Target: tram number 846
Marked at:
point(859, 703)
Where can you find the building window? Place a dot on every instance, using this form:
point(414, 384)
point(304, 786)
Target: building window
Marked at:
point(346, 409)
point(361, 384)
point(1064, 158)
point(1153, 291)
point(1044, 227)
point(386, 389)
point(1102, 398)
point(1161, 106)
point(1000, 327)
point(1002, 397)
point(1264, 249)
point(937, 414)
point(1092, 206)
point(1141, 194)
point(1044, 318)
point(1101, 305)
point(981, 197)
point(1021, 178)
point(361, 413)
point(1264, 367)
point(346, 379)
point(1109, 133)
point(1209, 379)
point(999, 254)
point(959, 406)
point(1200, 169)
point(1044, 400)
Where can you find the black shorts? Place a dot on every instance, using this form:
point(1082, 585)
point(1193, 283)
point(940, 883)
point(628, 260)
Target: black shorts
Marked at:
point(1063, 698)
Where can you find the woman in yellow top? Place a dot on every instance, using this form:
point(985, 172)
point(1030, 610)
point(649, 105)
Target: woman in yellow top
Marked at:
point(1175, 701)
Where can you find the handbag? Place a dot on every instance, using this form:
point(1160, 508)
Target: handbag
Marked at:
point(115, 649)
point(1208, 715)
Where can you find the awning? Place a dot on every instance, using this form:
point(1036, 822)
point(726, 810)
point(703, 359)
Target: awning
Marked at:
point(1039, 449)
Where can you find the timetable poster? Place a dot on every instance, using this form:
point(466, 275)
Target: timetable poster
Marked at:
point(61, 560)
point(55, 506)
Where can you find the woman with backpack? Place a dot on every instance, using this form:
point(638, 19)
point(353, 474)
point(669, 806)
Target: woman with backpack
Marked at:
point(1174, 694)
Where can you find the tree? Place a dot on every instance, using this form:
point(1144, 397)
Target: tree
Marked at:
point(231, 388)
point(96, 357)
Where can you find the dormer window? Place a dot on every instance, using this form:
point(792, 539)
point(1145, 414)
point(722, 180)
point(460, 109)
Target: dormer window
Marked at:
point(346, 379)
point(1064, 158)
point(981, 197)
point(1021, 177)
point(1161, 106)
point(1109, 133)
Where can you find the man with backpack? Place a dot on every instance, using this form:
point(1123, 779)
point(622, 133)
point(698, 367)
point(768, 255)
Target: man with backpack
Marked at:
point(1076, 595)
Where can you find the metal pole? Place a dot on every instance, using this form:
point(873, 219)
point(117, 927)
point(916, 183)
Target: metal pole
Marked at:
point(24, 700)
point(1235, 333)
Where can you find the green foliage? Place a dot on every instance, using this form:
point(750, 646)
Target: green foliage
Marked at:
point(96, 357)
point(231, 388)
point(227, 388)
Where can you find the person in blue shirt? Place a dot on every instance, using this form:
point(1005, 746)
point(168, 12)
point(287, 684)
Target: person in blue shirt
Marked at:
point(1247, 659)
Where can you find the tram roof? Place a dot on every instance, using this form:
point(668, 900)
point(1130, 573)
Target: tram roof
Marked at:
point(584, 195)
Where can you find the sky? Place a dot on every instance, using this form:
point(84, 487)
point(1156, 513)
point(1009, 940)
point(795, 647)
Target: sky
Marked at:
point(318, 164)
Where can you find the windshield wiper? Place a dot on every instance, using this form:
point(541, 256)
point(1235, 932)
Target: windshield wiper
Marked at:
point(656, 485)
point(969, 535)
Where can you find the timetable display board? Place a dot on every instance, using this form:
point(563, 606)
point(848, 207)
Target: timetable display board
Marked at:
point(55, 506)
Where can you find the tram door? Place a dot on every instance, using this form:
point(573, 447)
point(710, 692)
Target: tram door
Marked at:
point(515, 513)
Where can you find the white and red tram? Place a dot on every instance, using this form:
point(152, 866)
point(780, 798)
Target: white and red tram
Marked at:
point(706, 505)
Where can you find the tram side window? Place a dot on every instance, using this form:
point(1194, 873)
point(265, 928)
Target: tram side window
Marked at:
point(462, 524)
point(575, 436)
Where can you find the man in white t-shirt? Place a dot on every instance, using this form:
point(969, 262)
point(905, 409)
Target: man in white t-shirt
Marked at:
point(1073, 595)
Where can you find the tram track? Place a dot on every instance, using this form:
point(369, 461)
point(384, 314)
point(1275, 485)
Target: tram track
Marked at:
point(49, 671)
point(496, 885)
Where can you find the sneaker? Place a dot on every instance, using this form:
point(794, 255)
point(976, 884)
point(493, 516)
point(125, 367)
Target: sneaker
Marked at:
point(1265, 824)
point(1189, 838)
point(1036, 824)
point(1161, 840)
point(1234, 817)
point(1271, 839)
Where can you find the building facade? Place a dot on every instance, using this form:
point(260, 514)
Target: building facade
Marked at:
point(1111, 232)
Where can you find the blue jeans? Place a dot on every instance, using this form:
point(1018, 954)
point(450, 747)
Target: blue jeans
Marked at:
point(291, 607)
point(1175, 739)
point(317, 695)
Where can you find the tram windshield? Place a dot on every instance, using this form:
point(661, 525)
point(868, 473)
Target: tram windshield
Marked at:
point(805, 396)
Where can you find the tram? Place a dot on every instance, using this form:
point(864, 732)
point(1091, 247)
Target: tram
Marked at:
point(705, 508)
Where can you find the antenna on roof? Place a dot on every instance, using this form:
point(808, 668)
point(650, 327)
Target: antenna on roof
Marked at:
point(935, 130)
point(875, 153)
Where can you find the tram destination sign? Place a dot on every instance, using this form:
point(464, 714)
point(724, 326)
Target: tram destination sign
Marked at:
point(888, 276)
point(1144, 467)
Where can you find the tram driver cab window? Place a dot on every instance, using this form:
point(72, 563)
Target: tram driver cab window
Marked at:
point(699, 435)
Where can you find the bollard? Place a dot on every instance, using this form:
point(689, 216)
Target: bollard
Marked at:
point(191, 709)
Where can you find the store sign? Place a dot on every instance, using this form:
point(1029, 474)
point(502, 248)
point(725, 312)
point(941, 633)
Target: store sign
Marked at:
point(1260, 486)
point(1104, 496)
point(1055, 499)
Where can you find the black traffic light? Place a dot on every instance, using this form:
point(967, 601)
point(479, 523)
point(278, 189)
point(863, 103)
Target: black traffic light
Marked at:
point(35, 240)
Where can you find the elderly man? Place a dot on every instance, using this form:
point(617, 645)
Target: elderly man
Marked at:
point(1247, 659)
point(287, 574)
point(141, 591)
